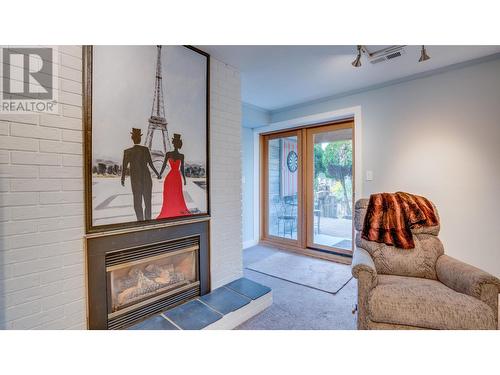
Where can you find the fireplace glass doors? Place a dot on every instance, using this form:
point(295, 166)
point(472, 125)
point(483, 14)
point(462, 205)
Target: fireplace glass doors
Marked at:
point(139, 282)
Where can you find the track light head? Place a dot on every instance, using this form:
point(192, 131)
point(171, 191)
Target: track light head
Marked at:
point(357, 62)
point(423, 55)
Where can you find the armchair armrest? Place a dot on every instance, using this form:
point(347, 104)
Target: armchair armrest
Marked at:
point(469, 280)
point(363, 269)
point(363, 262)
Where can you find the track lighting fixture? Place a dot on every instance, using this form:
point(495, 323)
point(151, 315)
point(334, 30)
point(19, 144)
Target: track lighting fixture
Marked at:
point(423, 55)
point(357, 62)
point(385, 54)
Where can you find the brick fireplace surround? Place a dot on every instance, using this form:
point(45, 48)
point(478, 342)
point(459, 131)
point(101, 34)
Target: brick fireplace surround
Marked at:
point(42, 262)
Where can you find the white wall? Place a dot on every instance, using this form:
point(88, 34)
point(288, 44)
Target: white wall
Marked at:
point(247, 168)
point(253, 116)
point(42, 211)
point(436, 136)
point(225, 174)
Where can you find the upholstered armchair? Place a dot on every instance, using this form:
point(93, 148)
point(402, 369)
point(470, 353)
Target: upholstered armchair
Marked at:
point(420, 288)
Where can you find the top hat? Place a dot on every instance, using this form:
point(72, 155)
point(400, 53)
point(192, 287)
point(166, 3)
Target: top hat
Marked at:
point(136, 132)
point(177, 137)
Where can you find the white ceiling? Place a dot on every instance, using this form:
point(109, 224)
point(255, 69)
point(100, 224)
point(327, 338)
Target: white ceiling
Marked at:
point(274, 77)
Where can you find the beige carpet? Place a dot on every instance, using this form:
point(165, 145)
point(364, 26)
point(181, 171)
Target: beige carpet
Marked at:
point(314, 273)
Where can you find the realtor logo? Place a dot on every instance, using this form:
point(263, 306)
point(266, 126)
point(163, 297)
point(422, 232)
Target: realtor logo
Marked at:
point(29, 81)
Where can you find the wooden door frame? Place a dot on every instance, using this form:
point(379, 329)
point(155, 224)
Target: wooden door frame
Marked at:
point(309, 181)
point(300, 245)
point(264, 233)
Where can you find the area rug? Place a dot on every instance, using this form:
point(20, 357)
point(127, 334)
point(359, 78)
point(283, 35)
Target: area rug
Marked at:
point(313, 273)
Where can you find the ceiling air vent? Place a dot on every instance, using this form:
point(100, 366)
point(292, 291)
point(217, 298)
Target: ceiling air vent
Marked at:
point(386, 55)
point(393, 55)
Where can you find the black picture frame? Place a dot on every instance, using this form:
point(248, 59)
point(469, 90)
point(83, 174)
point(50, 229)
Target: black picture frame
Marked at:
point(87, 83)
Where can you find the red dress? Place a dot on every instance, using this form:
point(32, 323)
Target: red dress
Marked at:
point(173, 198)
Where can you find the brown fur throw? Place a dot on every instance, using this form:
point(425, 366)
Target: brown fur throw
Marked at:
point(391, 216)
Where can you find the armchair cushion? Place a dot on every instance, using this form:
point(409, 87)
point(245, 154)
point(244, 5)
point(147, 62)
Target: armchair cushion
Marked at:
point(417, 262)
point(426, 303)
point(468, 279)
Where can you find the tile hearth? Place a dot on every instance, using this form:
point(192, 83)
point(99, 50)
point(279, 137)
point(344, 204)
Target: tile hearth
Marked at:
point(222, 308)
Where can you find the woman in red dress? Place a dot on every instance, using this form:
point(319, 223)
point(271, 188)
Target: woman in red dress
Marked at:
point(173, 198)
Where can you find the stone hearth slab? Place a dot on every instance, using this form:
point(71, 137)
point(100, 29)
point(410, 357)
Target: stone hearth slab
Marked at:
point(224, 308)
point(157, 322)
point(192, 315)
point(235, 318)
point(248, 288)
point(225, 300)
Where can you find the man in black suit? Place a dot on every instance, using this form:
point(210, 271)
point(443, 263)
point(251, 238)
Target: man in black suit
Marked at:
point(139, 158)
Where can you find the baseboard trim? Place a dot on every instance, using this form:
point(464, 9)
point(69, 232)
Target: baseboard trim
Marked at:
point(250, 243)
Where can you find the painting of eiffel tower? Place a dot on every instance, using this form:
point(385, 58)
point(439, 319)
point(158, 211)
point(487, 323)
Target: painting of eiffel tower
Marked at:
point(157, 123)
point(122, 99)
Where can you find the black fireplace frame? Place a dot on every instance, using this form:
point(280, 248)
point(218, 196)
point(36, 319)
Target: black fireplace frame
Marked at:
point(98, 245)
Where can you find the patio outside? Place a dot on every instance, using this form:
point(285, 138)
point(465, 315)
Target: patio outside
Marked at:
point(332, 195)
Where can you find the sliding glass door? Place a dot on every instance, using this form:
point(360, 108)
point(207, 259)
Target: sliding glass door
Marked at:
point(308, 188)
point(330, 187)
point(282, 186)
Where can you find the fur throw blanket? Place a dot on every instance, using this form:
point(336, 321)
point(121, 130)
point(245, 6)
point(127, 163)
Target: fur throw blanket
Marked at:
point(391, 216)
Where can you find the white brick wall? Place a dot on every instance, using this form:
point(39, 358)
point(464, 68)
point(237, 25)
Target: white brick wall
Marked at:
point(41, 211)
point(225, 173)
point(41, 202)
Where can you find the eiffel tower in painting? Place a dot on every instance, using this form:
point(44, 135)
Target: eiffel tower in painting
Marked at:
point(157, 121)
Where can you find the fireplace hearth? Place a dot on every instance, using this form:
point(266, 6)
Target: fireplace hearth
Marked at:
point(134, 275)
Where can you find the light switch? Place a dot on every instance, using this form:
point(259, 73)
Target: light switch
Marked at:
point(369, 175)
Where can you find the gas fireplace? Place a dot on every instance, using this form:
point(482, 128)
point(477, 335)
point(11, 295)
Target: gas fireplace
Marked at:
point(134, 275)
point(138, 282)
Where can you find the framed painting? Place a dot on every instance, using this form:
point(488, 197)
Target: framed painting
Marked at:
point(146, 120)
